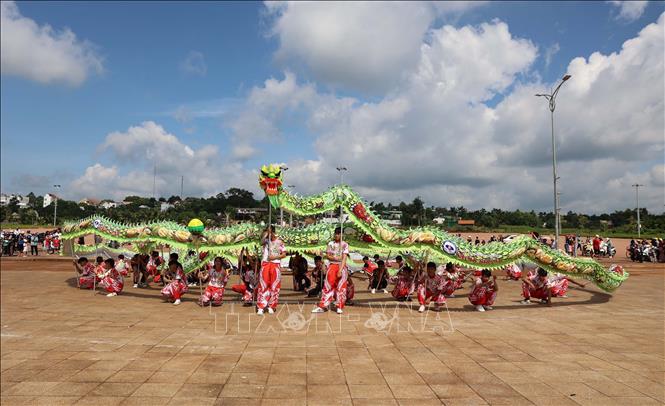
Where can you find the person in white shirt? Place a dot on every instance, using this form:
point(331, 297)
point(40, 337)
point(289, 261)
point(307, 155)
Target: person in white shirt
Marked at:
point(337, 276)
point(270, 281)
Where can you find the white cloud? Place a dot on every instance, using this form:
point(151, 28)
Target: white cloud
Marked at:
point(194, 64)
point(41, 53)
point(136, 151)
point(550, 52)
point(359, 45)
point(433, 136)
point(629, 11)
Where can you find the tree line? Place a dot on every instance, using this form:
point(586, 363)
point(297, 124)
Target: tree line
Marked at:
point(222, 208)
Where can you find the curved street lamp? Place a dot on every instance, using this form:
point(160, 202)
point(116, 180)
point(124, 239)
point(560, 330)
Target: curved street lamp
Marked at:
point(551, 98)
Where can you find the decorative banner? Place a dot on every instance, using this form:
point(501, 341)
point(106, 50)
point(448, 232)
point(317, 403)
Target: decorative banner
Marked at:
point(365, 233)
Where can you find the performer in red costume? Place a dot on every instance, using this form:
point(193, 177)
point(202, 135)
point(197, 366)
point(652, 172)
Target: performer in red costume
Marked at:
point(270, 281)
point(175, 279)
point(218, 277)
point(86, 272)
point(484, 291)
point(431, 287)
point(111, 280)
point(336, 281)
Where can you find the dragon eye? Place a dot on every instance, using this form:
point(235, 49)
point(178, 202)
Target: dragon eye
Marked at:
point(278, 173)
point(264, 173)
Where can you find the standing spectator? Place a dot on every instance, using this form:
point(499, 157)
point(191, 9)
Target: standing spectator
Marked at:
point(19, 246)
point(47, 243)
point(34, 244)
point(596, 245)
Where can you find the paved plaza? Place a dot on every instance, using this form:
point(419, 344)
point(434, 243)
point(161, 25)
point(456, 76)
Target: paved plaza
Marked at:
point(61, 345)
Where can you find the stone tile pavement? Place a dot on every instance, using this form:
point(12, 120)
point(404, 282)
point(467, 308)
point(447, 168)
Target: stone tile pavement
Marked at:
point(61, 345)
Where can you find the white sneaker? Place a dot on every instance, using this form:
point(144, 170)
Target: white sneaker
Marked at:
point(259, 312)
point(488, 307)
point(317, 309)
point(525, 301)
point(480, 308)
point(421, 309)
point(373, 291)
point(177, 302)
point(136, 285)
point(112, 294)
point(453, 295)
point(271, 310)
point(385, 291)
point(339, 311)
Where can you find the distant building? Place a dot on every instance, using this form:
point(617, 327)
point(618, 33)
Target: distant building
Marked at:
point(109, 205)
point(90, 201)
point(392, 217)
point(462, 222)
point(439, 220)
point(23, 201)
point(165, 206)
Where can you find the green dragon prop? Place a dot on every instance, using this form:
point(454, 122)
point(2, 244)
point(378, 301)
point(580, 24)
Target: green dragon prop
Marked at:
point(366, 233)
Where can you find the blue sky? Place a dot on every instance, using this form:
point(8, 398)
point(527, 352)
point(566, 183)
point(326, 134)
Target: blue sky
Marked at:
point(54, 132)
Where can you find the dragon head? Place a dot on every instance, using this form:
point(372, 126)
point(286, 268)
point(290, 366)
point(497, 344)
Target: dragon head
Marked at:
point(270, 180)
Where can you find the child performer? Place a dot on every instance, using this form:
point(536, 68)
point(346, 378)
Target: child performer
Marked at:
point(514, 272)
point(431, 287)
point(86, 270)
point(247, 279)
point(379, 279)
point(559, 285)
point(484, 291)
point(454, 280)
point(218, 277)
point(536, 285)
point(175, 279)
point(139, 271)
point(122, 265)
point(317, 274)
point(337, 275)
point(270, 281)
point(153, 265)
point(403, 284)
point(111, 280)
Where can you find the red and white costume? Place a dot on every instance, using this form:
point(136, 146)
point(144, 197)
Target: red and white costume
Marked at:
point(88, 276)
point(215, 290)
point(369, 268)
point(270, 282)
point(335, 285)
point(404, 285)
point(514, 272)
point(123, 267)
point(177, 287)
point(153, 265)
point(541, 286)
point(558, 285)
point(483, 293)
point(112, 281)
point(432, 288)
point(246, 288)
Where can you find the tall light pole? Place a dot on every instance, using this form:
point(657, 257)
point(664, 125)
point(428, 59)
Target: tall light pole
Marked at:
point(637, 204)
point(341, 170)
point(290, 213)
point(55, 207)
point(551, 98)
point(281, 209)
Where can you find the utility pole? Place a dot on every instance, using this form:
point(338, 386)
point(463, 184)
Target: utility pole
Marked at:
point(55, 208)
point(637, 203)
point(154, 179)
point(182, 185)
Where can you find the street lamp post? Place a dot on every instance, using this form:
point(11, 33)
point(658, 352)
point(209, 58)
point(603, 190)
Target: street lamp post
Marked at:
point(551, 98)
point(55, 207)
point(281, 209)
point(637, 204)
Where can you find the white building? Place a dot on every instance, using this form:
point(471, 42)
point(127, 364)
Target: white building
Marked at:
point(5, 199)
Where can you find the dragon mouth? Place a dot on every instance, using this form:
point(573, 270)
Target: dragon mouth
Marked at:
point(271, 186)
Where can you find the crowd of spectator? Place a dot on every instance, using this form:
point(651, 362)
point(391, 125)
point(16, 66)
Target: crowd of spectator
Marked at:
point(27, 243)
